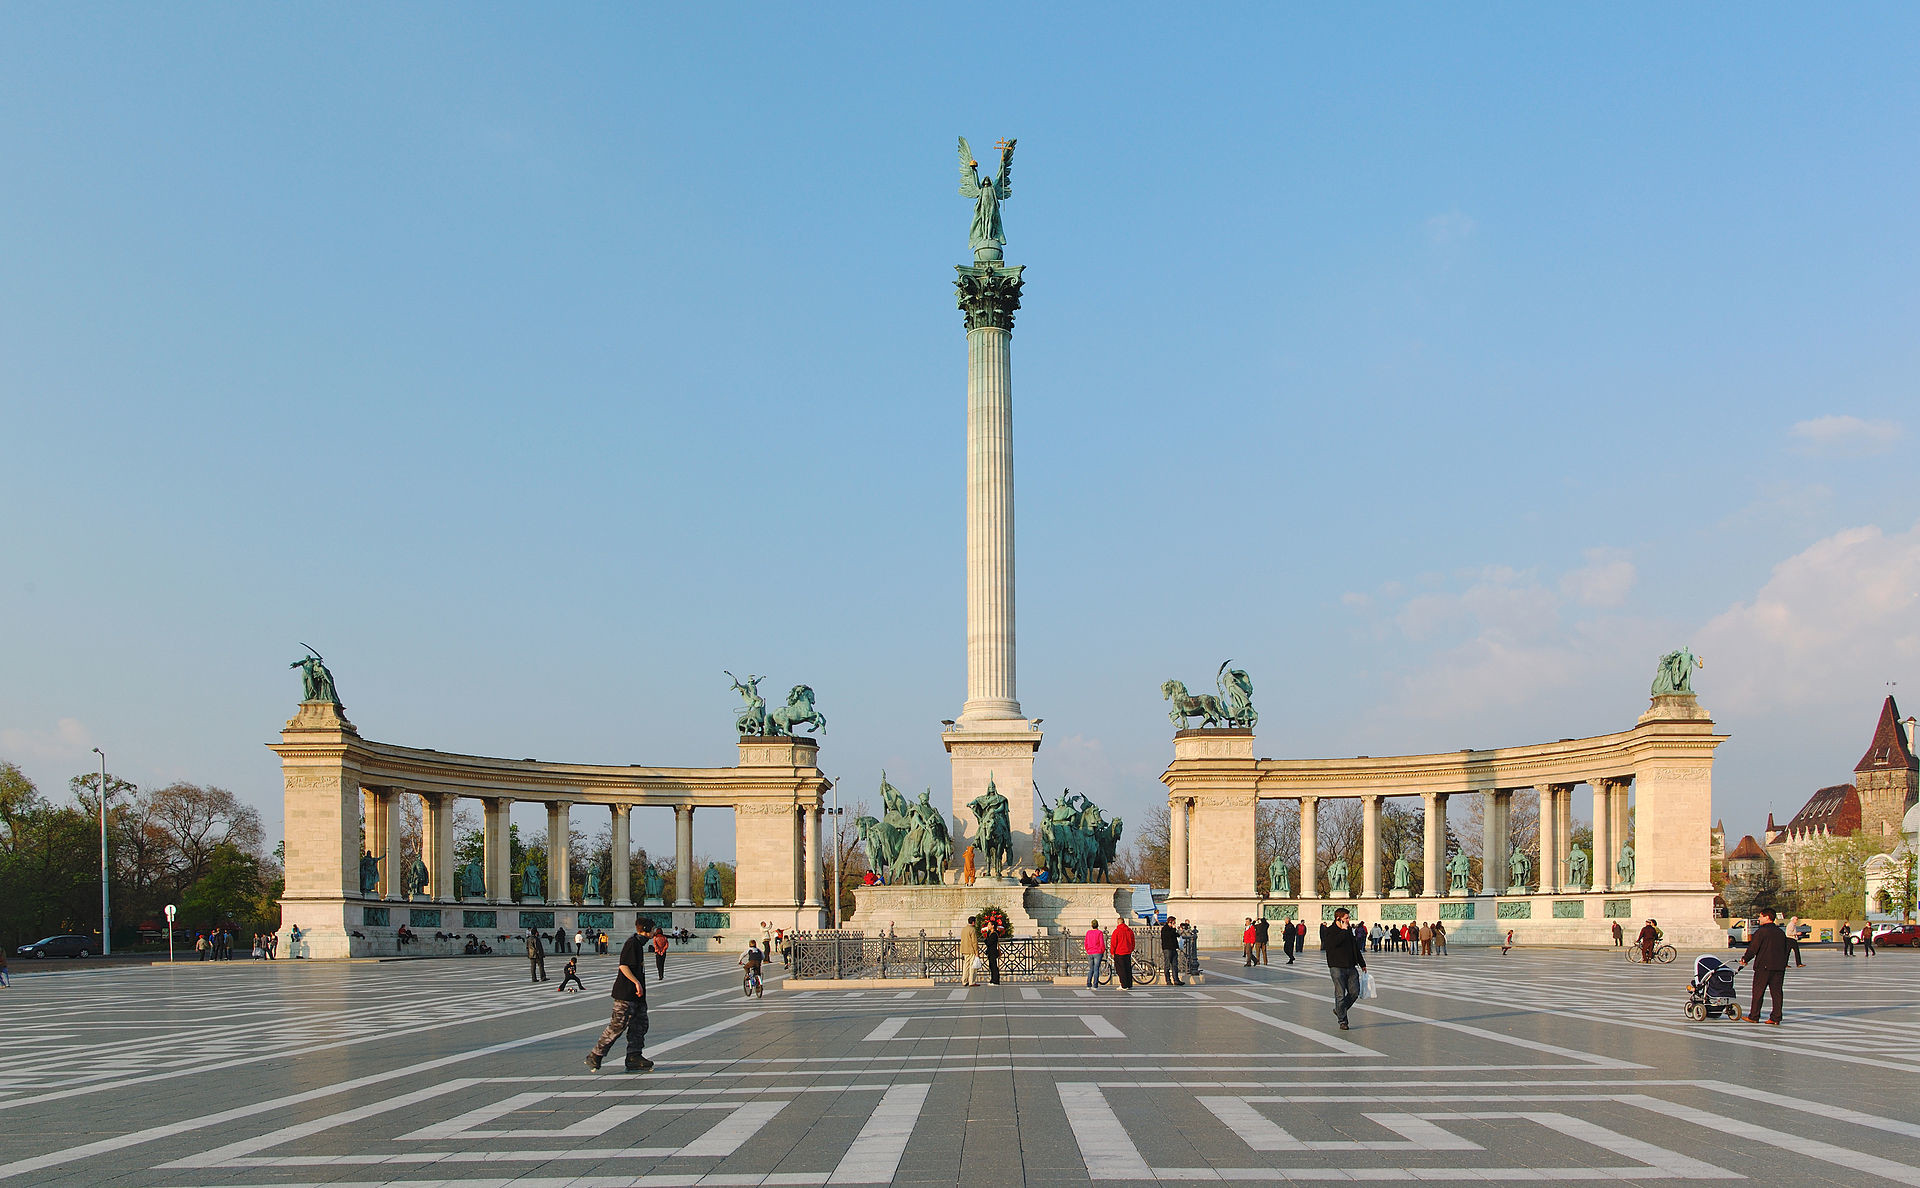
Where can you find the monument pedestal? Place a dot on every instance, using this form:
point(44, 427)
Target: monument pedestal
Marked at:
point(1000, 749)
point(1033, 911)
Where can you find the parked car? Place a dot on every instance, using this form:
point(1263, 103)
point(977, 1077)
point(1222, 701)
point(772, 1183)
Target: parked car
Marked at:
point(60, 946)
point(1897, 935)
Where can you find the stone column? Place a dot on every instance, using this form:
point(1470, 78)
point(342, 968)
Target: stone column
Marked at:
point(1551, 842)
point(989, 294)
point(440, 876)
point(1563, 833)
point(683, 855)
point(1177, 847)
point(559, 861)
point(622, 860)
point(1433, 864)
point(811, 815)
point(498, 858)
point(1622, 822)
point(1603, 852)
point(1370, 846)
point(1493, 847)
point(1309, 847)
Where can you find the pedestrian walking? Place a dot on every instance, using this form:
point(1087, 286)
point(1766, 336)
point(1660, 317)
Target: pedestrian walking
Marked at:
point(1440, 938)
point(629, 1005)
point(1123, 941)
point(536, 957)
point(1170, 952)
point(4, 981)
point(1190, 946)
point(1287, 941)
point(1767, 950)
point(1507, 944)
point(1096, 946)
point(658, 942)
point(1249, 937)
point(603, 942)
point(579, 941)
point(1846, 938)
point(1793, 942)
point(1260, 928)
point(1618, 934)
point(1866, 939)
point(970, 952)
point(571, 974)
point(991, 939)
point(1345, 962)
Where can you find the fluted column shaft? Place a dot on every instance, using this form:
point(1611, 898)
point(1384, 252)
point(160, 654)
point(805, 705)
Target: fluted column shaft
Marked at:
point(1551, 843)
point(436, 843)
point(559, 862)
point(1622, 827)
point(1493, 846)
point(1434, 855)
point(683, 855)
point(990, 576)
point(1370, 846)
point(1603, 853)
point(812, 858)
point(622, 859)
point(497, 860)
point(1563, 834)
point(1309, 847)
point(1177, 848)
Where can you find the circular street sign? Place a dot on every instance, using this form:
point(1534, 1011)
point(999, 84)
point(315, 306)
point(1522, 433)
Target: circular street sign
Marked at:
point(170, 911)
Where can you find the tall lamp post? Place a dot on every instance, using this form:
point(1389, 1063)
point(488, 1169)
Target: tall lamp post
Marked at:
point(835, 811)
point(106, 923)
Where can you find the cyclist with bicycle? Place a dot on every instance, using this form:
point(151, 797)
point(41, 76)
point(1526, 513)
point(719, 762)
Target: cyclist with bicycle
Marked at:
point(1648, 938)
point(750, 961)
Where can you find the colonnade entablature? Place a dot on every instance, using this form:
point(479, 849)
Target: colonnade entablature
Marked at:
point(336, 782)
point(1651, 816)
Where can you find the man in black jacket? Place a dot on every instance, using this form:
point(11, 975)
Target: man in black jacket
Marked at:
point(536, 957)
point(1260, 938)
point(629, 1005)
point(1767, 950)
point(1169, 952)
point(1344, 962)
point(1289, 940)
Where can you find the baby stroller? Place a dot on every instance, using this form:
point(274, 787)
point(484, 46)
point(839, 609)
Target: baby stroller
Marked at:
point(1710, 993)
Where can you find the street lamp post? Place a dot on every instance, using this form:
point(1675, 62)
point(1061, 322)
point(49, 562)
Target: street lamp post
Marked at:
point(836, 856)
point(106, 923)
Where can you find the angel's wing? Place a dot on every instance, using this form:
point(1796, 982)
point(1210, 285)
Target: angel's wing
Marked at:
point(1005, 185)
point(969, 180)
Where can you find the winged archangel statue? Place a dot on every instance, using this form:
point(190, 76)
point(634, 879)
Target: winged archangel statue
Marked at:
point(987, 236)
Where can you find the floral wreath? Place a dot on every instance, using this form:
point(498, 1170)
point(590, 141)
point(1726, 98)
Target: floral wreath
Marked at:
point(994, 920)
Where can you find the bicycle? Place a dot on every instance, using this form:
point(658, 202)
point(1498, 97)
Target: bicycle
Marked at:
point(1145, 970)
point(1662, 955)
point(750, 985)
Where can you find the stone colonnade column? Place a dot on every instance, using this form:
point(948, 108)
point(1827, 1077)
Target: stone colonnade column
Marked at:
point(559, 861)
point(1370, 845)
point(1622, 822)
point(1177, 847)
point(811, 854)
point(622, 859)
point(435, 821)
point(393, 821)
point(1309, 847)
point(683, 855)
point(1434, 854)
point(1493, 844)
point(1551, 843)
point(1603, 853)
point(1563, 833)
point(497, 839)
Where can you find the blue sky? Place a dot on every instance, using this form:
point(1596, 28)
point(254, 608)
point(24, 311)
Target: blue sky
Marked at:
point(1440, 369)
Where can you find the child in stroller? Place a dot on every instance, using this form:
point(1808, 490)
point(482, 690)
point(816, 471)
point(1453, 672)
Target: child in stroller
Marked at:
point(1710, 993)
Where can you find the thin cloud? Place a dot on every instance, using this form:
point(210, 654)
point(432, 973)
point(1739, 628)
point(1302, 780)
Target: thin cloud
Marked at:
point(1450, 228)
point(67, 739)
point(1846, 436)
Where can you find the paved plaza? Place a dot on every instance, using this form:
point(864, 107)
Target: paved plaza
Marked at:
point(1548, 1065)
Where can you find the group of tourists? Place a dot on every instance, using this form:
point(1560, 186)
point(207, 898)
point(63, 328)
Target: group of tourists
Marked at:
point(1424, 940)
point(1846, 939)
point(217, 945)
point(1179, 951)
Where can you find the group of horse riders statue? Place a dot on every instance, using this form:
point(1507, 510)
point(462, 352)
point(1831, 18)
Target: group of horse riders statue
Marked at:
point(755, 720)
point(910, 844)
point(1231, 709)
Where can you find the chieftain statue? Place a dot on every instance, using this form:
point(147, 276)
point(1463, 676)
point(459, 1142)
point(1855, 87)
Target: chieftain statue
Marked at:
point(710, 887)
point(1077, 841)
point(1402, 873)
point(1457, 872)
point(473, 881)
point(1279, 878)
point(656, 887)
point(986, 237)
point(416, 878)
point(1339, 877)
point(1519, 870)
point(990, 809)
point(1232, 707)
point(369, 872)
point(1623, 869)
point(532, 886)
point(316, 683)
point(1578, 868)
point(1675, 675)
point(594, 880)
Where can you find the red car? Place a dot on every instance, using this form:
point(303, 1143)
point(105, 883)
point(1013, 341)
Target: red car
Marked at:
point(1897, 935)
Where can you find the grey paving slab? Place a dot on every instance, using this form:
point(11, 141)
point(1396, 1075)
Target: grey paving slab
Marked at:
point(1542, 1066)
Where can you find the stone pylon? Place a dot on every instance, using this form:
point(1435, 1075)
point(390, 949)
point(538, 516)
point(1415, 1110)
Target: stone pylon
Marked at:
point(991, 739)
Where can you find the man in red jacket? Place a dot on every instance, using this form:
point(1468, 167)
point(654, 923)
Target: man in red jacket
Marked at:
point(1246, 943)
point(1123, 952)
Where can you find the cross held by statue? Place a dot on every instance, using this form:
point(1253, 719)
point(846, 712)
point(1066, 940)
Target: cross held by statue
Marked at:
point(1003, 145)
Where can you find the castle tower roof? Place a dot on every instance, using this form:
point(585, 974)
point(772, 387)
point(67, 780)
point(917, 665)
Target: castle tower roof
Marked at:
point(1889, 750)
point(1834, 810)
point(1748, 848)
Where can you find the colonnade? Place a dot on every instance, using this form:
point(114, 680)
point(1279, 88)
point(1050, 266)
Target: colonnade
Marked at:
point(1551, 862)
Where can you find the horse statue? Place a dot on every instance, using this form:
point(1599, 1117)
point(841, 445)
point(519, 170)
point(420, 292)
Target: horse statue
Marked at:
point(1204, 706)
point(799, 709)
point(1106, 835)
point(1236, 694)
